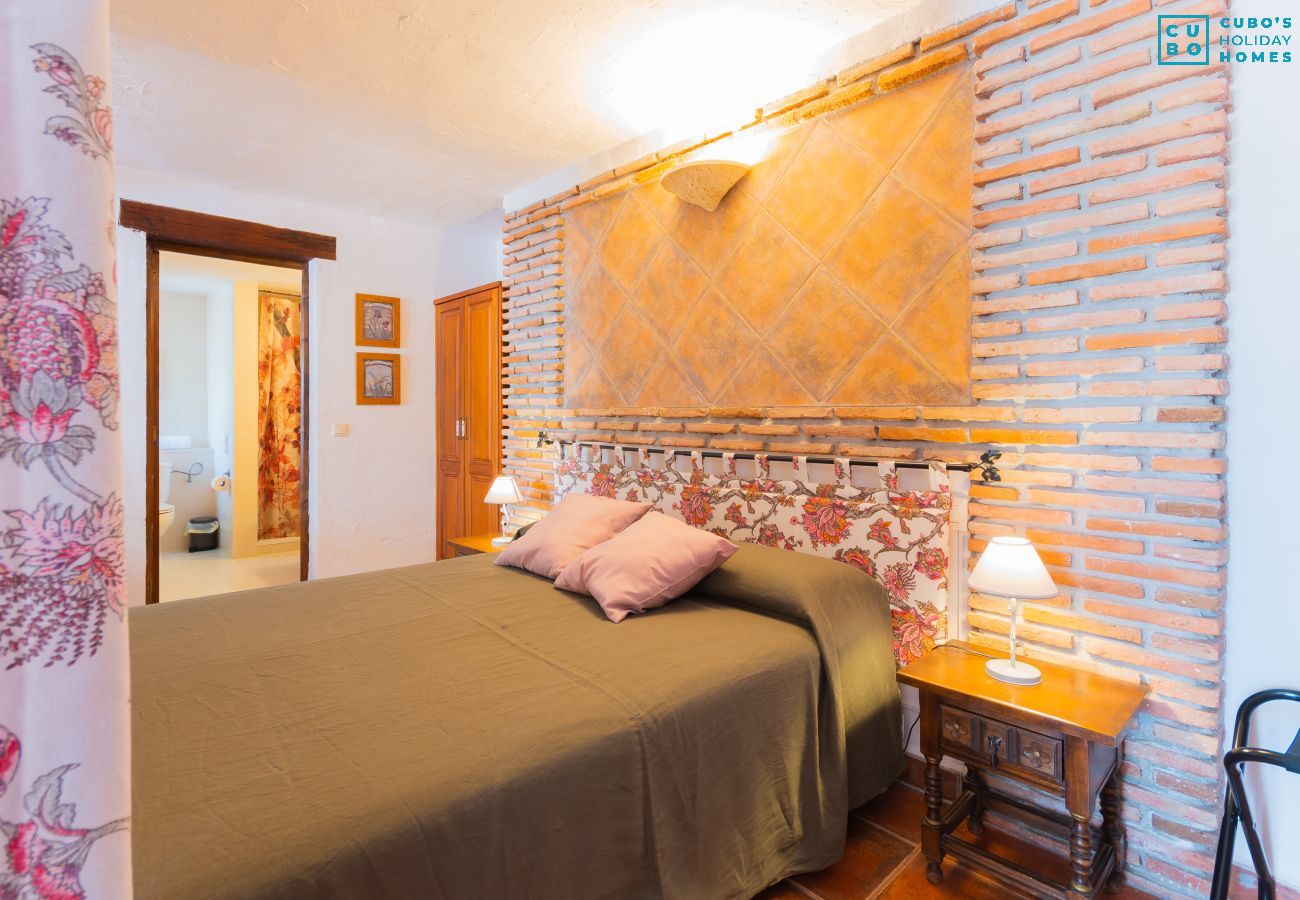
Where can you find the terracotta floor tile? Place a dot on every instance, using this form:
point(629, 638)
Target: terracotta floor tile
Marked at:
point(870, 859)
point(1053, 865)
point(782, 891)
point(898, 809)
point(879, 864)
point(911, 884)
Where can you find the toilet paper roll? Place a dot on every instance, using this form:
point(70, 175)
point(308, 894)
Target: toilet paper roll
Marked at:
point(221, 483)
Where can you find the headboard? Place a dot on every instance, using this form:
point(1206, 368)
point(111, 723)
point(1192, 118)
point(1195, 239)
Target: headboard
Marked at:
point(911, 539)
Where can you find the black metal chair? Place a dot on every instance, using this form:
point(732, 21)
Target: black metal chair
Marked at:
point(1236, 808)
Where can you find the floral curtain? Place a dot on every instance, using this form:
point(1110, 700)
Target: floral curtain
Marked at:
point(279, 413)
point(899, 537)
point(64, 727)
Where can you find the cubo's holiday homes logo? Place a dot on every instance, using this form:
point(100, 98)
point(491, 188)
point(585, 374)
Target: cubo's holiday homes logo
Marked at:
point(1186, 40)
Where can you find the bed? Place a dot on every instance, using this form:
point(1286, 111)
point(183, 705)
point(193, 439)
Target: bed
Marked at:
point(464, 730)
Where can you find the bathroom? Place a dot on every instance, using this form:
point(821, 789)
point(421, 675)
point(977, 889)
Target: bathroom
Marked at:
point(229, 402)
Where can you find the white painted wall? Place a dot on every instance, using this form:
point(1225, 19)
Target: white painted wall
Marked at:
point(1263, 614)
point(247, 436)
point(182, 366)
point(191, 496)
point(221, 396)
point(373, 492)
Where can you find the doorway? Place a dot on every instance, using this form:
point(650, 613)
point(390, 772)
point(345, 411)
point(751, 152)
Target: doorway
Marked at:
point(229, 407)
point(272, 262)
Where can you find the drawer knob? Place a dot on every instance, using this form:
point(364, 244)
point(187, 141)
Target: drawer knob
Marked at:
point(1035, 758)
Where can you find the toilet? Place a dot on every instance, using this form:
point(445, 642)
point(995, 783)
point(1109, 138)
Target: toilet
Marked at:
point(166, 509)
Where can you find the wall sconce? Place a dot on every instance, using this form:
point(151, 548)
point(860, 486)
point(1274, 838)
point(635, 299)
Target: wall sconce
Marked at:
point(704, 182)
point(988, 465)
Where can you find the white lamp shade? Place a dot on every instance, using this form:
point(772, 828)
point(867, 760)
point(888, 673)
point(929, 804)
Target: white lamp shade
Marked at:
point(503, 490)
point(1010, 567)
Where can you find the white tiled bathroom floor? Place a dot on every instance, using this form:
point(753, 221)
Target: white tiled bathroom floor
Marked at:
point(182, 575)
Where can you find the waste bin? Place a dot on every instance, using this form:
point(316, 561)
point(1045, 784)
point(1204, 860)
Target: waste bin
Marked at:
point(202, 532)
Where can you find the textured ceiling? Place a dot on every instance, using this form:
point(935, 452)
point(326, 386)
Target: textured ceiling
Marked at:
point(429, 109)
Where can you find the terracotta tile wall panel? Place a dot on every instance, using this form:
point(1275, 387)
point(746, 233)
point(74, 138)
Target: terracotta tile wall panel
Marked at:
point(854, 228)
point(1095, 327)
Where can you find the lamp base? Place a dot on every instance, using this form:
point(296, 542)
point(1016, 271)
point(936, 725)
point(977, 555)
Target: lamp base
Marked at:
point(501, 541)
point(1017, 673)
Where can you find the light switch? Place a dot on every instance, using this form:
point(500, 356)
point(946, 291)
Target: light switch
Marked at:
point(342, 430)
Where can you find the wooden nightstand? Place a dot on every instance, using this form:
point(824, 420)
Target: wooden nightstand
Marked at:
point(475, 543)
point(1062, 736)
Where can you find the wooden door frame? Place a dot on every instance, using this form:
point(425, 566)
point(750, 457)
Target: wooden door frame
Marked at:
point(498, 406)
point(200, 234)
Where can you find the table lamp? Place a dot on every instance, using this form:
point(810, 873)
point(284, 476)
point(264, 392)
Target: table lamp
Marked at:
point(1009, 567)
point(503, 491)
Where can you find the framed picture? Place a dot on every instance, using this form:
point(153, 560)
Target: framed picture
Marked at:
point(379, 321)
point(379, 379)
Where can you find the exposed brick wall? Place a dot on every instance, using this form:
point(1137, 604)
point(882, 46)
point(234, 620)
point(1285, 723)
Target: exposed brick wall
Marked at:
point(1099, 370)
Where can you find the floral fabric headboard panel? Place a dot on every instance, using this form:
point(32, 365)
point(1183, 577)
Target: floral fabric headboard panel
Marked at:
point(901, 537)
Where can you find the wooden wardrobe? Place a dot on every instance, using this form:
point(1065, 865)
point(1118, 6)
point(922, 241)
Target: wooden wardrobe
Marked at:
point(469, 412)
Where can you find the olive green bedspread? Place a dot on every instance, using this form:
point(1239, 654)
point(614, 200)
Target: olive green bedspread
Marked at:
point(462, 730)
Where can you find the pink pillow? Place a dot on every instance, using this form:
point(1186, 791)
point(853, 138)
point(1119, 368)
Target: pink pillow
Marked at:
point(652, 561)
point(578, 521)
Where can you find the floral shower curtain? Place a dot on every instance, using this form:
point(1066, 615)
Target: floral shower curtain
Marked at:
point(65, 787)
point(279, 413)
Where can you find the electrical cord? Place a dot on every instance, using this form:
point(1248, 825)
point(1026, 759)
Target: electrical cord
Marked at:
point(908, 740)
point(964, 650)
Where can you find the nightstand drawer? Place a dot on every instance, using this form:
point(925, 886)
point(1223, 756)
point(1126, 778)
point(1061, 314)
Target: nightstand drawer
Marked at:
point(1037, 752)
point(957, 728)
point(1013, 747)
